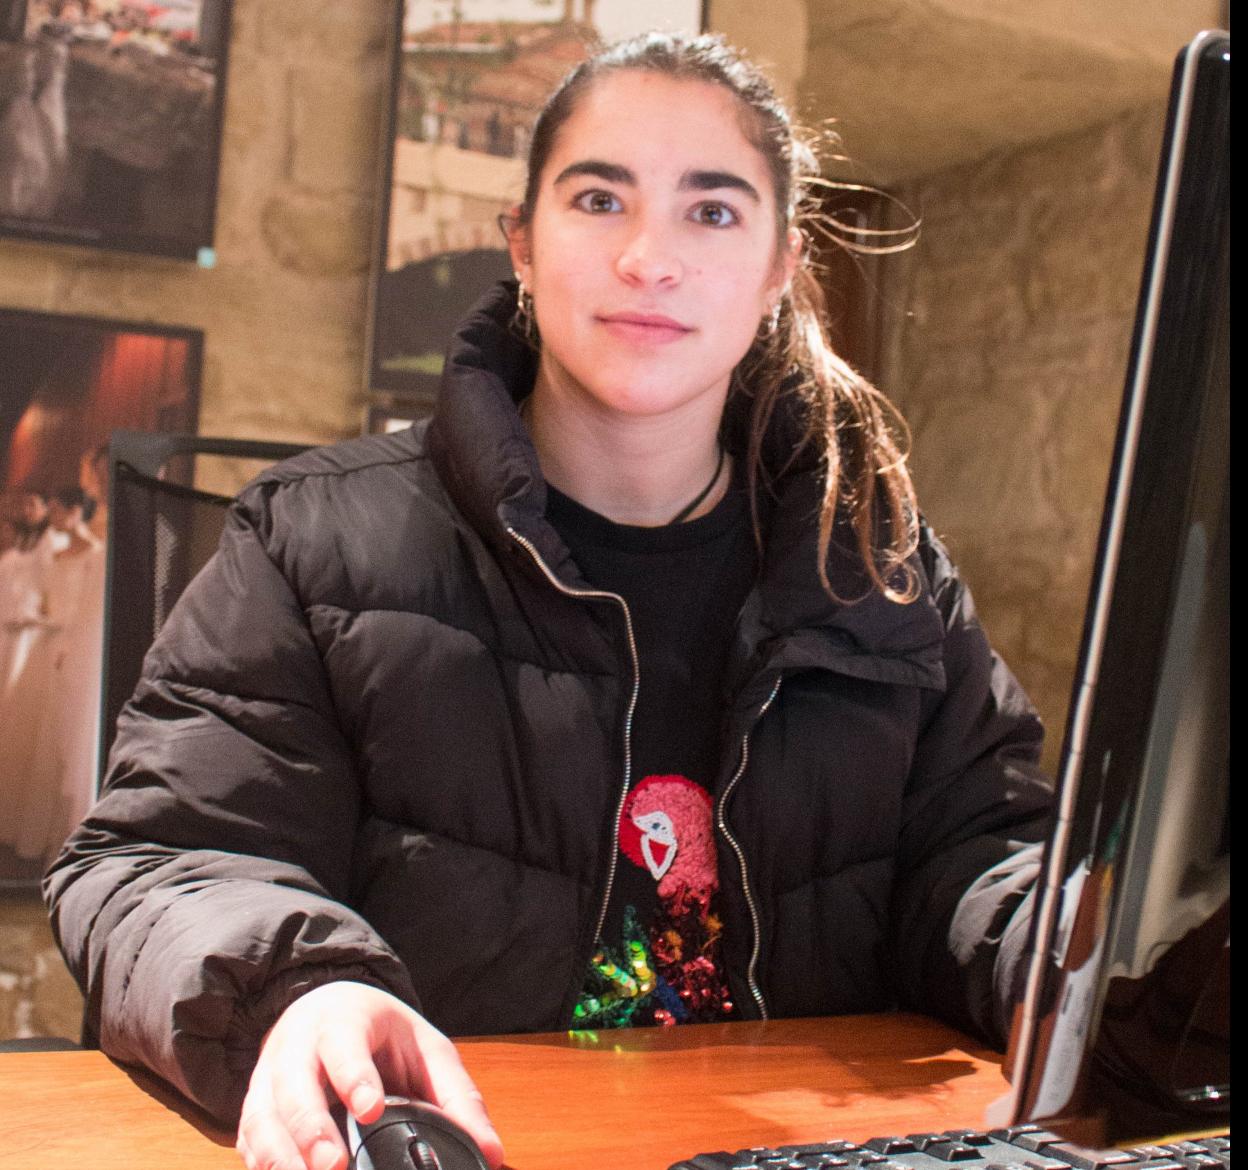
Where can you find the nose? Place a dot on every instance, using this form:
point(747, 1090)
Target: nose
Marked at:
point(650, 257)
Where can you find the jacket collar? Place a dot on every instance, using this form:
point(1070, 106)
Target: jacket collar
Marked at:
point(485, 458)
point(477, 439)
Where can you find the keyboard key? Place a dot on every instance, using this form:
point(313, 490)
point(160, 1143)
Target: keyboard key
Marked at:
point(891, 1145)
point(1043, 1162)
point(951, 1151)
point(1157, 1158)
point(814, 1150)
point(1036, 1140)
point(1082, 1159)
point(970, 1137)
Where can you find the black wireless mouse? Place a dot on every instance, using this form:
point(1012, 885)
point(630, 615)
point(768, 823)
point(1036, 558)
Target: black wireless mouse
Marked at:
point(411, 1135)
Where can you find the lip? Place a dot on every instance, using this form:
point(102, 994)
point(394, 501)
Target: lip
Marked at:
point(644, 327)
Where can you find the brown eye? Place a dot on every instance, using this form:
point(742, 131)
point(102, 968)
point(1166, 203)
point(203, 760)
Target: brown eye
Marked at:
point(715, 215)
point(597, 202)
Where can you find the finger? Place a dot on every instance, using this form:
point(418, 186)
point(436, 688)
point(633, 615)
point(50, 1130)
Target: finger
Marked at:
point(262, 1140)
point(353, 1076)
point(447, 1084)
point(468, 1111)
point(268, 1146)
point(301, 1109)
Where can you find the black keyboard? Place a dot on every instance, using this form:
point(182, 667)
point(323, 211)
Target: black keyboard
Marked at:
point(1020, 1147)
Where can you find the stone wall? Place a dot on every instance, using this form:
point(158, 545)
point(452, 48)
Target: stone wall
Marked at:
point(1010, 370)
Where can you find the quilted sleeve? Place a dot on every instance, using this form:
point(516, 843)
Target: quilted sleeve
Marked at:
point(204, 892)
point(975, 815)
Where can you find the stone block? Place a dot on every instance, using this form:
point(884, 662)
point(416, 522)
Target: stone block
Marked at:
point(111, 284)
point(27, 273)
point(1088, 273)
point(335, 127)
point(56, 1002)
point(323, 30)
point(318, 235)
point(778, 42)
point(976, 467)
point(255, 92)
point(13, 997)
point(965, 301)
point(38, 996)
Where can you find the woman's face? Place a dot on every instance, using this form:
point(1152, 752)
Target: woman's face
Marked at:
point(652, 252)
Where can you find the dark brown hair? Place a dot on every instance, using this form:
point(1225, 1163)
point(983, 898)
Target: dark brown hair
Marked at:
point(861, 438)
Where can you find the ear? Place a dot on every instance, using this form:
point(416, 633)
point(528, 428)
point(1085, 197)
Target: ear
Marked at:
point(789, 259)
point(786, 265)
point(517, 243)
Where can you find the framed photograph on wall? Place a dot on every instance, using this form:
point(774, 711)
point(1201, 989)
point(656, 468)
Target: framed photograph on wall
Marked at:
point(68, 383)
point(468, 81)
point(110, 122)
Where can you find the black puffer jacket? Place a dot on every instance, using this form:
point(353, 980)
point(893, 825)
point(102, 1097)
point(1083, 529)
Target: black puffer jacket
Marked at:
point(384, 737)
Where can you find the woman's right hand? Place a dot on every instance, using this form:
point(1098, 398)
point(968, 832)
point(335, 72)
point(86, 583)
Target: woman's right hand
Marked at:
point(361, 1043)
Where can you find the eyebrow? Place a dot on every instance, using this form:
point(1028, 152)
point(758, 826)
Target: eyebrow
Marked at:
point(689, 181)
point(608, 172)
point(717, 181)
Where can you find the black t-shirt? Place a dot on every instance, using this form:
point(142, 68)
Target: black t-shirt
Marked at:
point(684, 584)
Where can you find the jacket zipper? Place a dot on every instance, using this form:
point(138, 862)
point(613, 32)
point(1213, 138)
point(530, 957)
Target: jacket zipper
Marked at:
point(602, 595)
point(721, 821)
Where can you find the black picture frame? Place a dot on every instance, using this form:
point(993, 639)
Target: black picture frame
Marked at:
point(68, 382)
point(110, 126)
point(463, 95)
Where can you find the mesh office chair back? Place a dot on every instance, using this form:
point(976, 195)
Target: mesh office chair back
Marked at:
point(160, 534)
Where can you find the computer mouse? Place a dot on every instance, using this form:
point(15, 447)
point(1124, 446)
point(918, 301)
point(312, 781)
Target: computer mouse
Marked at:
point(411, 1135)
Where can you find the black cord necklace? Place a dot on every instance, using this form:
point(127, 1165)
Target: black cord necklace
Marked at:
point(692, 506)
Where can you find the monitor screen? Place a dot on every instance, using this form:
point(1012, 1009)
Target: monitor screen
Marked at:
point(1123, 1033)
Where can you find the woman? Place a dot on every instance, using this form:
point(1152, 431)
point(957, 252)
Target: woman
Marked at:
point(23, 571)
point(648, 600)
point(29, 626)
point(63, 716)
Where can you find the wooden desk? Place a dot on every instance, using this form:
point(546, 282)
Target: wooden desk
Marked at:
point(632, 1100)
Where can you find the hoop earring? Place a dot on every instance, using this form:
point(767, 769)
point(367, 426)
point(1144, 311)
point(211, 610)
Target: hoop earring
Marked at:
point(524, 322)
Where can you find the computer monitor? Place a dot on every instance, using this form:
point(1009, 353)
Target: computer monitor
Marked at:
point(1124, 1029)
